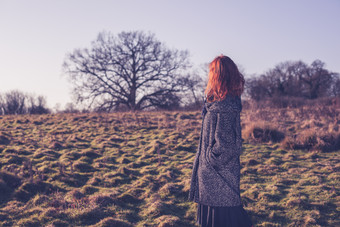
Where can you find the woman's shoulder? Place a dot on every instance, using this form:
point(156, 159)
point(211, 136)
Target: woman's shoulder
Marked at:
point(229, 103)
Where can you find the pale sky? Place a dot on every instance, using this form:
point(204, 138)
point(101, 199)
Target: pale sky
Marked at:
point(257, 34)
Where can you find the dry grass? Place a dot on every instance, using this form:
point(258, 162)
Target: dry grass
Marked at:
point(306, 128)
point(133, 169)
point(262, 132)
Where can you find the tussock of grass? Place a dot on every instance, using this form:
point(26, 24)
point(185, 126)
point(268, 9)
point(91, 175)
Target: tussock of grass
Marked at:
point(30, 222)
point(262, 132)
point(108, 222)
point(168, 221)
point(155, 208)
point(170, 189)
point(313, 140)
point(4, 139)
point(83, 166)
point(102, 200)
point(127, 197)
point(39, 199)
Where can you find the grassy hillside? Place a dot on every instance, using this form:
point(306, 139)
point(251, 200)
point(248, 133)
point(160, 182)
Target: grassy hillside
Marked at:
point(126, 169)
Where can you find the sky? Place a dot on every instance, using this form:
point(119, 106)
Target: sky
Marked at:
point(36, 35)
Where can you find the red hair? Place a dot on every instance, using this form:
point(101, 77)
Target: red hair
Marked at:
point(224, 78)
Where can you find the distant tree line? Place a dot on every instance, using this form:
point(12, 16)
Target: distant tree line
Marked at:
point(135, 71)
point(17, 102)
point(294, 79)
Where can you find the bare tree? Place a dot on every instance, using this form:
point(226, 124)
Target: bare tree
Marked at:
point(258, 88)
point(70, 108)
point(14, 102)
point(2, 105)
point(132, 69)
point(193, 89)
point(284, 78)
point(37, 105)
point(18, 102)
point(317, 80)
point(293, 79)
point(336, 86)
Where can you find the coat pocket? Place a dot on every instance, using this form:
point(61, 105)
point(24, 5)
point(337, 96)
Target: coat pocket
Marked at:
point(212, 158)
point(211, 150)
point(212, 144)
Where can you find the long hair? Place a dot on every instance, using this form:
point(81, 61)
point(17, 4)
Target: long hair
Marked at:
point(224, 78)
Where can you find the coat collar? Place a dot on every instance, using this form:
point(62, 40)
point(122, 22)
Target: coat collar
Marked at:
point(230, 103)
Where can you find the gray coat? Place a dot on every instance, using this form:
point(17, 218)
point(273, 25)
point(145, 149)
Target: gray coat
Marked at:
point(215, 179)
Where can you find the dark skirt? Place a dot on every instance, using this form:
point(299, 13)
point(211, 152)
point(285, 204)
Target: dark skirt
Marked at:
point(209, 216)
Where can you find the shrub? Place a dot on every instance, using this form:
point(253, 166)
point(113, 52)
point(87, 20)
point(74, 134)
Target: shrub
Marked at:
point(310, 140)
point(329, 142)
point(262, 132)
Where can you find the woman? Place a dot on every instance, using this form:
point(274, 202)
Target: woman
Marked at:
point(215, 181)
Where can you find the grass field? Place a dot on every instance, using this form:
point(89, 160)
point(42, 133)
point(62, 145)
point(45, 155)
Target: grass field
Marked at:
point(133, 169)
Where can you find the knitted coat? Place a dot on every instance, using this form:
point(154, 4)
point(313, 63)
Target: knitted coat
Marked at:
point(215, 179)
